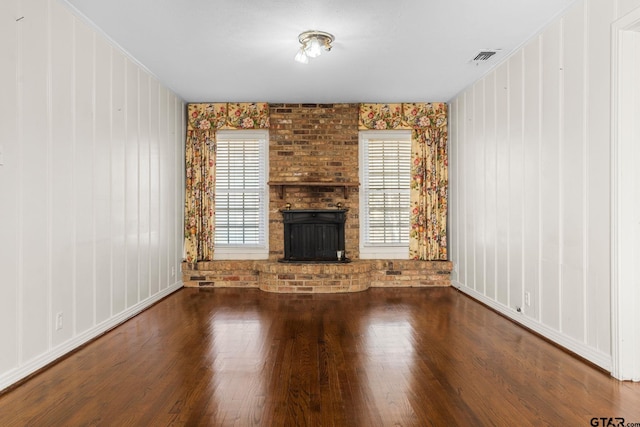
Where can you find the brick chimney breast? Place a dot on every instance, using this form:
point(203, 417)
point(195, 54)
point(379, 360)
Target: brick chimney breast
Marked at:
point(313, 143)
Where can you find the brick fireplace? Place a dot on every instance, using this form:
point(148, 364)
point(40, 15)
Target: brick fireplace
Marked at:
point(313, 143)
point(313, 165)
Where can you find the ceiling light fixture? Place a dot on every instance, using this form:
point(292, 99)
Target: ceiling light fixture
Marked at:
point(313, 43)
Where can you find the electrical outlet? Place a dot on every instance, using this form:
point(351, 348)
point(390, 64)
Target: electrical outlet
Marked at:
point(527, 299)
point(59, 321)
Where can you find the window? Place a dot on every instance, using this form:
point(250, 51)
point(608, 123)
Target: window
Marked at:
point(385, 176)
point(241, 195)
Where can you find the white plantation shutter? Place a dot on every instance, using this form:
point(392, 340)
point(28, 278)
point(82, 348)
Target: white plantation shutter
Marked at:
point(385, 180)
point(240, 189)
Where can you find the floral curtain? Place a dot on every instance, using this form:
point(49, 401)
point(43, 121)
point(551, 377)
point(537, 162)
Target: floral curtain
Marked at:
point(429, 170)
point(200, 167)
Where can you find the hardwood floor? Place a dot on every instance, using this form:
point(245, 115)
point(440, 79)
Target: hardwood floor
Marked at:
point(384, 357)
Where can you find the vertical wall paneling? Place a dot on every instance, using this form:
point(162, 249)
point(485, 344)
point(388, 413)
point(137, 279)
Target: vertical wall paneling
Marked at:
point(83, 177)
point(177, 201)
point(132, 218)
point(516, 179)
point(470, 167)
point(163, 186)
point(118, 181)
point(550, 178)
point(170, 194)
point(35, 319)
point(172, 200)
point(531, 169)
point(502, 174)
point(19, 105)
point(598, 172)
point(85, 136)
point(462, 223)
point(479, 195)
point(625, 194)
point(9, 172)
point(62, 159)
point(572, 174)
point(102, 180)
point(143, 186)
point(48, 212)
point(545, 141)
point(491, 182)
point(154, 187)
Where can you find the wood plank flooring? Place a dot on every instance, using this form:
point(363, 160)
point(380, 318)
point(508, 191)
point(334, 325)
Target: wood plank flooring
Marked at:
point(384, 357)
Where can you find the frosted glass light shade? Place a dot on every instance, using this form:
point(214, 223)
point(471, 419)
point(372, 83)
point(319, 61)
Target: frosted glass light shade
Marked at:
point(314, 48)
point(302, 57)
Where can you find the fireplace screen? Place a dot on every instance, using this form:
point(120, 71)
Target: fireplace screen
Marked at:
point(314, 235)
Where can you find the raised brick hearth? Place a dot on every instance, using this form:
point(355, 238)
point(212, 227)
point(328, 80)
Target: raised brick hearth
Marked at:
point(355, 276)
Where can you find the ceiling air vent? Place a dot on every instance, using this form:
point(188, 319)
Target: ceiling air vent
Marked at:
point(484, 55)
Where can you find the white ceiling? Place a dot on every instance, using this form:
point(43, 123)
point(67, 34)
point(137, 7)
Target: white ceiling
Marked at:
point(385, 50)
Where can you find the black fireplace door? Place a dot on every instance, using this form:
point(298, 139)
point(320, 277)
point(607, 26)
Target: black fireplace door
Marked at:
point(313, 235)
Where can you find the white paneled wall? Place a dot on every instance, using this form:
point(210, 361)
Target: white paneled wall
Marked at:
point(530, 182)
point(91, 185)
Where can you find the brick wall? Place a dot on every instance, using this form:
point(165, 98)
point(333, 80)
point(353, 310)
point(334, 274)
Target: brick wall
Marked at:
point(313, 142)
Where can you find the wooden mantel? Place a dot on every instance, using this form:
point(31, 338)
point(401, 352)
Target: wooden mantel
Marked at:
point(282, 185)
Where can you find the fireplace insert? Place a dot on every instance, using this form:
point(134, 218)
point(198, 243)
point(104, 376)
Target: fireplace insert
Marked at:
point(314, 235)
